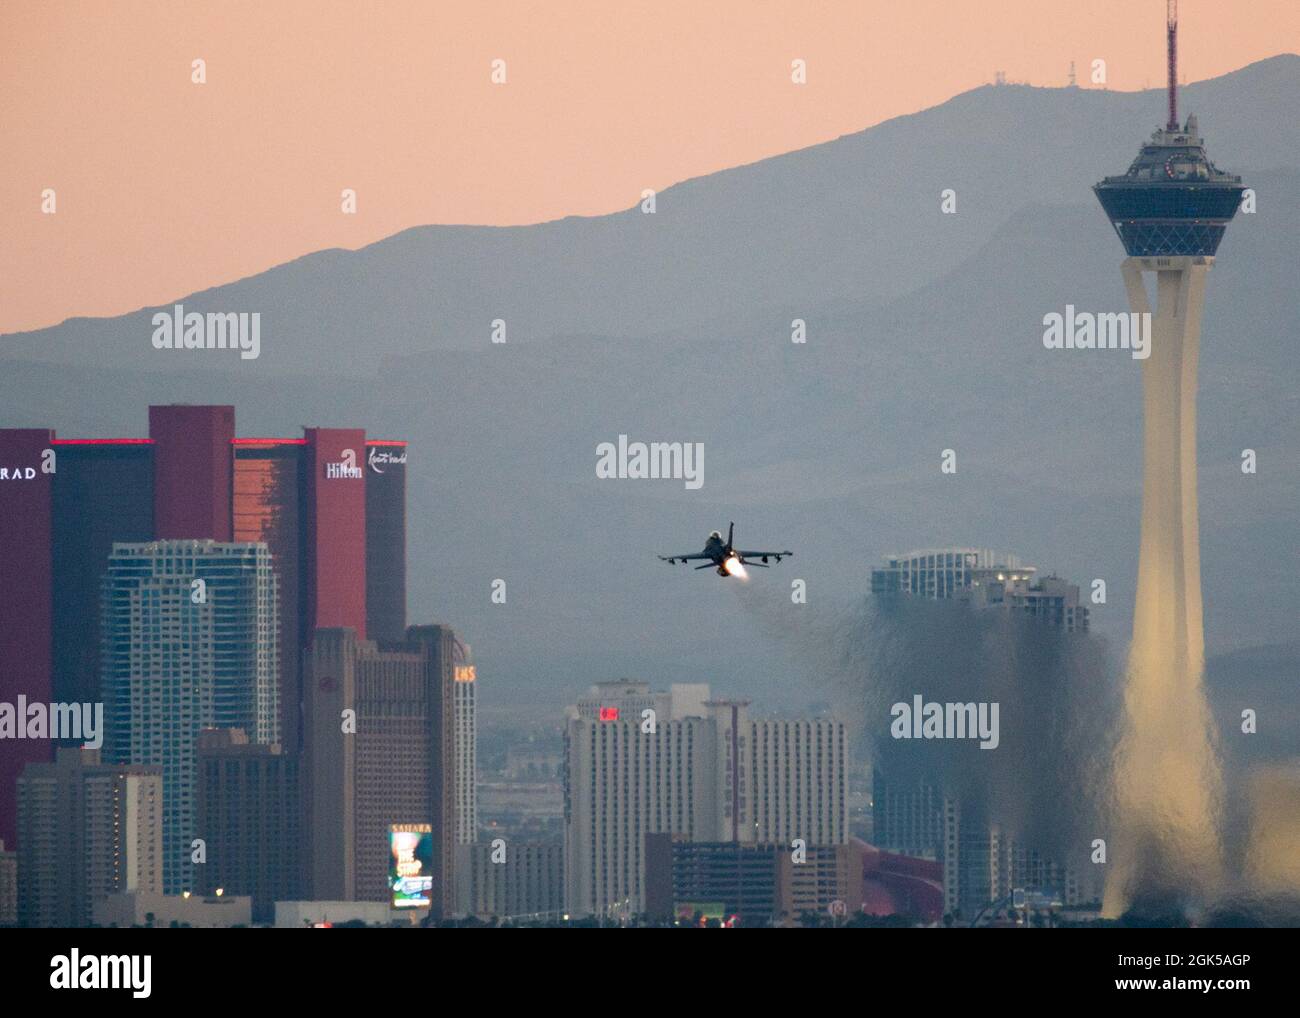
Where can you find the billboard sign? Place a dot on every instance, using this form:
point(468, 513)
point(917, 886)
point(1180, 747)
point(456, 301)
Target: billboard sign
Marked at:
point(410, 865)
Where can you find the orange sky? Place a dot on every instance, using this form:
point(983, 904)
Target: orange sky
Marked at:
point(165, 187)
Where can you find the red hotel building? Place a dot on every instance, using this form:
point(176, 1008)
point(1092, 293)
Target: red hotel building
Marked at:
point(63, 502)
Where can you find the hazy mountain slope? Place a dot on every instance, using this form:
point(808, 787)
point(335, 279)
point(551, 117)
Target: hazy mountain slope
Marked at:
point(855, 217)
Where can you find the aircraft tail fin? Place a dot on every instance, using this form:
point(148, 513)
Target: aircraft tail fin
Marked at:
point(731, 530)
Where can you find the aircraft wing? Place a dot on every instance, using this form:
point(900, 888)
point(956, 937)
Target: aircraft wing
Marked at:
point(684, 558)
point(763, 554)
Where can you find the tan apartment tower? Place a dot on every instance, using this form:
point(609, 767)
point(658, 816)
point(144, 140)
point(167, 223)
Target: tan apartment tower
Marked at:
point(379, 750)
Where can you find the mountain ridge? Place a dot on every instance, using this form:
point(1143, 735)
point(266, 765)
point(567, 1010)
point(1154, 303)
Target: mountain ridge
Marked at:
point(819, 224)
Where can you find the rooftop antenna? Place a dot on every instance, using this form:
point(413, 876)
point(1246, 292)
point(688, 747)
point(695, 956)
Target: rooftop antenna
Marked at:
point(1171, 28)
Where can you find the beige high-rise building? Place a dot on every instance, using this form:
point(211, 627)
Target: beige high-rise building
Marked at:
point(704, 770)
point(86, 830)
point(798, 782)
point(465, 740)
point(379, 750)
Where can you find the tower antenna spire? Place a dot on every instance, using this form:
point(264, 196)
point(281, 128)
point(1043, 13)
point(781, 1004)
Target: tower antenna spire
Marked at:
point(1171, 28)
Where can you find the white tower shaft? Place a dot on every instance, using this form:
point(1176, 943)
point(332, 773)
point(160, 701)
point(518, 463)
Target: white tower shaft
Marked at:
point(1167, 777)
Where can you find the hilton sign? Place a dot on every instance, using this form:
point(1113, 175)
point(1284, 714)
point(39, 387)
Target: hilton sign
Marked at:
point(346, 468)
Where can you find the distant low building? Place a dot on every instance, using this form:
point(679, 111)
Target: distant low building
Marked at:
point(135, 908)
point(534, 764)
point(735, 878)
point(757, 883)
point(515, 880)
point(300, 914)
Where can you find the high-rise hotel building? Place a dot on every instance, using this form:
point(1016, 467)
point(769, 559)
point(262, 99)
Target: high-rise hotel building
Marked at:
point(380, 749)
point(329, 507)
point(908, 814)
point(465, 740)
point(640, 763)
point(981, 861)
point(307, 498)
point(985, 579)
point(86, 829)
point(189, 638)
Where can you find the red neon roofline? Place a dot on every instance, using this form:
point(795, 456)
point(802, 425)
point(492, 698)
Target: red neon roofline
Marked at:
point(101, 441)
point(301, 441)
point(233, 441)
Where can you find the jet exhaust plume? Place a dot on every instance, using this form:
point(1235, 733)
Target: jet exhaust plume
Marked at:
point(1059, 705)
point(735, 567)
